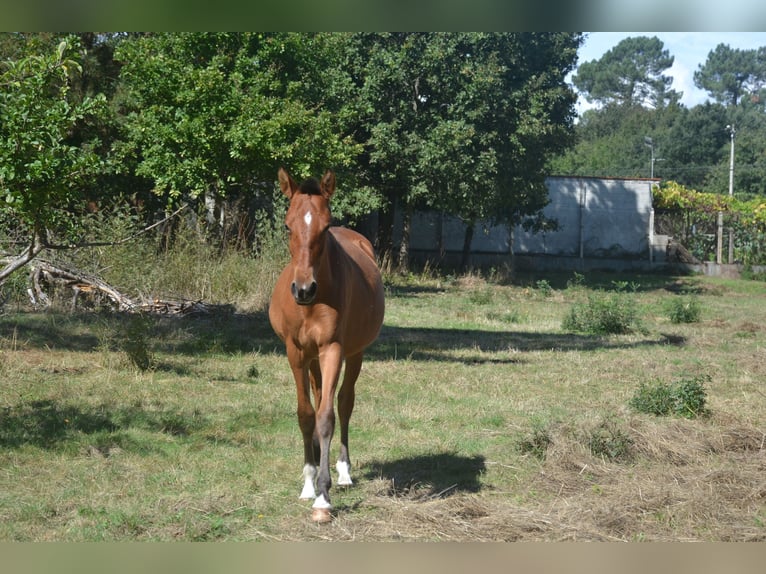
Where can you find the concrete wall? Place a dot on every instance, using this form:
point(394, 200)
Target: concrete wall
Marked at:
point(597, 218)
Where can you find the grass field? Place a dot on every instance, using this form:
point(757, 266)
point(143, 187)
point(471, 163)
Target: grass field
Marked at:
point(478, 418)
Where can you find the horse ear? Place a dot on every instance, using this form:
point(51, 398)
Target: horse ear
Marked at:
point(327, 187)
point(287, 183)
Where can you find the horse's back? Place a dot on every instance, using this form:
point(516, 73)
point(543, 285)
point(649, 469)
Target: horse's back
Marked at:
point(352, 240)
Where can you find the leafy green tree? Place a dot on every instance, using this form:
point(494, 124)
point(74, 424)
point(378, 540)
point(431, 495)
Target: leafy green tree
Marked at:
point(42, 171)
point(462, 123)
point(630, 74)
point(212, 116)
point(610, 143)
point(695, 145)
point(729, 74)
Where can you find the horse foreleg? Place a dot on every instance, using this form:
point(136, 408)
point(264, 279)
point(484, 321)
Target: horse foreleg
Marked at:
point(346, 396)
point(330, 360)
point(306, 422)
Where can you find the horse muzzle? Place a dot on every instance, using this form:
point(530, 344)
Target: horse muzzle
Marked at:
point(304, 294)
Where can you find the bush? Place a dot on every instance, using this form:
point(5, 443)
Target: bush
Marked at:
point(684, 310)
point(604, 313)
point(685, 398)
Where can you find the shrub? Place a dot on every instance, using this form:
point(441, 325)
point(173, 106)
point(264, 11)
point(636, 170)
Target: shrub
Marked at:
point(685, 397)
point(684, 310)
point(604, 313)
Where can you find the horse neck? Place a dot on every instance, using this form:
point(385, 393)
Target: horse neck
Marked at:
point(332, 252)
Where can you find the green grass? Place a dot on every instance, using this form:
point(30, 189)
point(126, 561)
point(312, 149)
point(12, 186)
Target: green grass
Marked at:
point(477, 418)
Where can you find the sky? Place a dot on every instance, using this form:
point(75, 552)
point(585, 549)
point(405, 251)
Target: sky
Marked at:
point(690, 50)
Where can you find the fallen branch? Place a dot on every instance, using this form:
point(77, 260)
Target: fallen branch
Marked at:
point(78, 281)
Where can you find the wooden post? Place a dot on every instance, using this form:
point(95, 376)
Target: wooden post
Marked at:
point(719, 238)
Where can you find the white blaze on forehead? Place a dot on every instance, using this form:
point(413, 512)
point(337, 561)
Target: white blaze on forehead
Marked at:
point(307, 218)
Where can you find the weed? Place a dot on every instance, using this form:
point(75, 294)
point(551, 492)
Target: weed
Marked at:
point(537, 441)
point(609, 440)
point(624, 286)
point(512, 316)
point(615, 313)
point(652, 399)
point(135, 342)
point(684, 310)
point(685, 397)
point(480, 296)
point(689, 397)
point(577, 280)
point(544, 287)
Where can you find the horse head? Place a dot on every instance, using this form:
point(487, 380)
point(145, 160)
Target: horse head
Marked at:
point(308, 221)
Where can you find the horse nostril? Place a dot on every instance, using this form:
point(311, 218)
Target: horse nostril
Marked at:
point(304, 295)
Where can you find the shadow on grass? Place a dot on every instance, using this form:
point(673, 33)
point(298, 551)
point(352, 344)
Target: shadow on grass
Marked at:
point(429, 476)
point(247, 333)
point(86, 332)
point(47, 424)
point(426, 344)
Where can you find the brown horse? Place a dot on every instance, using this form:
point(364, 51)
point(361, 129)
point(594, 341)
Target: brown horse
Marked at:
point(327, 306)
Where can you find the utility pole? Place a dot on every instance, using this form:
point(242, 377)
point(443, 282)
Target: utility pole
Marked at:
point(649, 142)
point(732, 131)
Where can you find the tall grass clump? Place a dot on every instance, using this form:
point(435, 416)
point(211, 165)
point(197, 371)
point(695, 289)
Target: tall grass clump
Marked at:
point(196, 269)
point(187, 263)
point(604, 313)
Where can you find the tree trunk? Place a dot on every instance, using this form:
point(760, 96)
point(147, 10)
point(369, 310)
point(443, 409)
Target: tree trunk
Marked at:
point(404, 246)
point(465, 260)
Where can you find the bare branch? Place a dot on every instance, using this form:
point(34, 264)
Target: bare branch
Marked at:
point(47, 245)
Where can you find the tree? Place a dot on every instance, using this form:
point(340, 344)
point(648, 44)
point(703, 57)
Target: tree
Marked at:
point(462, 123)
point(729, 74)
point(212, 116)
point(42, 172)
point(696, 145)
point(630, 74)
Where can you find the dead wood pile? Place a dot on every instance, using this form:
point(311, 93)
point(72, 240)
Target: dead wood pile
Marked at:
point(46, 276)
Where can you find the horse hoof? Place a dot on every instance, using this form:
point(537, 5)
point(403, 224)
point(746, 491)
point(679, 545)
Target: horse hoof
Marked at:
point(321, 515)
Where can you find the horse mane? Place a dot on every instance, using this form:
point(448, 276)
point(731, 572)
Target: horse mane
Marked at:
point(310, 187)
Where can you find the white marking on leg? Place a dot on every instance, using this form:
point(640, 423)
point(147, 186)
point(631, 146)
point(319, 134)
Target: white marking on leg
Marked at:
point(321, 502)
point(307, 218)
point(344, 473)
point(309, 475)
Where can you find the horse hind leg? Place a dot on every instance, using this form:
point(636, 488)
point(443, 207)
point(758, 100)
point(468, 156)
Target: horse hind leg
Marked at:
point(346, 397)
